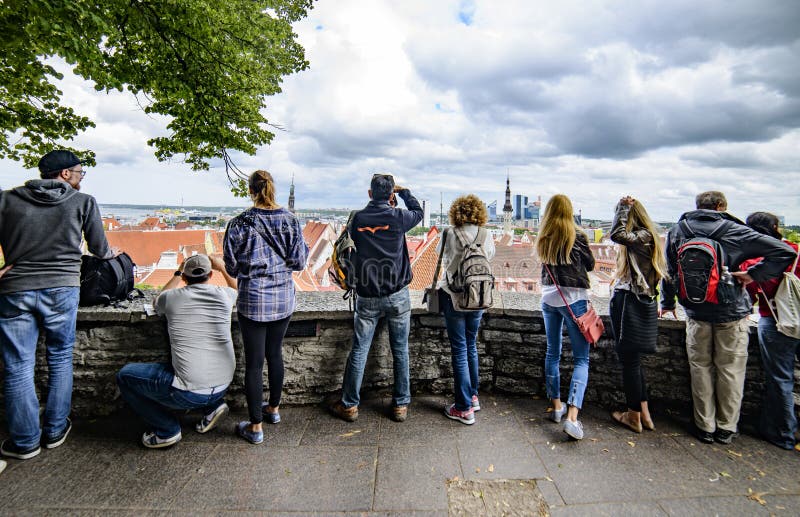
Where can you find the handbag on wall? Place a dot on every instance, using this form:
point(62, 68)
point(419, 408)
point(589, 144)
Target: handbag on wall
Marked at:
point(589, 323)
point(431, 296)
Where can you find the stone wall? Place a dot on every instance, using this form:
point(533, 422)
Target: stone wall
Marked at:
point(511, 348)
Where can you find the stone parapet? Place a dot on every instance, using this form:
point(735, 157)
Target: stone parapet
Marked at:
point(511, 348)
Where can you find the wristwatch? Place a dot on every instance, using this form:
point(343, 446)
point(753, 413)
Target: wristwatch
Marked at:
point(178, 273)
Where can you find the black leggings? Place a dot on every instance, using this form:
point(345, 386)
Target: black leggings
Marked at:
point(633, 380)
point(262, 339)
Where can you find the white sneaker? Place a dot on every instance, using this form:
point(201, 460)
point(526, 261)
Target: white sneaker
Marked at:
point(151, 441)
point(211, 420)
point(3, 465)
point(574, 429)
point(557, 414)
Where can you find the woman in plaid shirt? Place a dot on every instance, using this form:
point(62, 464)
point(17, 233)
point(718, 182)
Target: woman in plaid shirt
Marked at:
point(263, 245)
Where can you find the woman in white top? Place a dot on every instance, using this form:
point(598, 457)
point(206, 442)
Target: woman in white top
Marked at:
point(566, 259)
point(467, 215)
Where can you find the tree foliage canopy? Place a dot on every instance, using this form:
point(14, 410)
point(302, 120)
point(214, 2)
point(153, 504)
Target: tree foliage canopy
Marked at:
point(208, 65)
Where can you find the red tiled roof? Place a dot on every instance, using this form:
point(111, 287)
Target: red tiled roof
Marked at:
point(424, 264)
point(183, 225)
point(304, 281)
point(145, 247)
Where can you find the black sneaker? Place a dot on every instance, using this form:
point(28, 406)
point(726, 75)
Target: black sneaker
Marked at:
point(51, 442)
point(7, 448)
point(724, 437)
point(704, 436)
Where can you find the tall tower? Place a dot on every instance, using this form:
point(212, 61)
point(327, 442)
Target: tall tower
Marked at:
point(291, 196)
point(508, 210)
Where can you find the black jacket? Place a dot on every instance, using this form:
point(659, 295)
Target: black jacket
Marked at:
point(379, 234)
point(739, 244)
point(575, 274)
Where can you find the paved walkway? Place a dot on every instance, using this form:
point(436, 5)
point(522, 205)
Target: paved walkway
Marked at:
point(512, 461)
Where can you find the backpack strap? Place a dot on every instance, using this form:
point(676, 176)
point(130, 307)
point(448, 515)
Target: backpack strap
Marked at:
point(439, 260)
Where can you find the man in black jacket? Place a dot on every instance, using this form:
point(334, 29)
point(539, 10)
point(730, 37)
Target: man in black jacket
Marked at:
point(383, 272)
point(41, 225)
point(717, 334)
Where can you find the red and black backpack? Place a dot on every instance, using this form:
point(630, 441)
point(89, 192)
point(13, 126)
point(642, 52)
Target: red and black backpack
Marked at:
point(700, 261)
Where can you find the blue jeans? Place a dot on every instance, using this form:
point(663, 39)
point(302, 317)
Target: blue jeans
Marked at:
point(147, 388)
point(21, 315)
point(778, 422)
point(397, 309)
point(462, 330)
point(554, 319)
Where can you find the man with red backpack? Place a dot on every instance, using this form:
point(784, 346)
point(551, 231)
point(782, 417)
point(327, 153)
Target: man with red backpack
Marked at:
point(704, 251)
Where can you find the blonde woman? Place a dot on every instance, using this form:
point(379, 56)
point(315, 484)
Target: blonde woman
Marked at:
point(467, 215)
point(641, 265)
point(263, 245)
point(566, 259)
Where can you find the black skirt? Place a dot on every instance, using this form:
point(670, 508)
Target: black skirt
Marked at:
point(634, 322)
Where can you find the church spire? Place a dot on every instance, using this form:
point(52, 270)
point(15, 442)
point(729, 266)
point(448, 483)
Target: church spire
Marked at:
point(291, 196)
point(508, 210)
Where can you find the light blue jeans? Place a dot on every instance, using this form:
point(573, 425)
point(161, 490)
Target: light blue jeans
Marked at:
point(462, 331)
point(778, 422)
point(396, 308)
point(21, 314)
point(554, 320)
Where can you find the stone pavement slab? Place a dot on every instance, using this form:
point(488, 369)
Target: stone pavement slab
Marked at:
point(314, 464)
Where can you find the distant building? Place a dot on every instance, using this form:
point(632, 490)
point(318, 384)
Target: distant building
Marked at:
point(491, 209)
point(291, 196)
point(508, 210)
point(426, 214)
point(520, 205)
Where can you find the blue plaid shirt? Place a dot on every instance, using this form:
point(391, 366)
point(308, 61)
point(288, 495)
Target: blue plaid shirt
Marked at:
point(262, 248)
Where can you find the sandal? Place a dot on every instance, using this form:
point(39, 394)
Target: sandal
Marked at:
point(624, 419)
point(648, 424)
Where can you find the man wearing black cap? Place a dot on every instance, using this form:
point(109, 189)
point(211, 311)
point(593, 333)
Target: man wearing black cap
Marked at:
point(41, 225)
point(203, 362)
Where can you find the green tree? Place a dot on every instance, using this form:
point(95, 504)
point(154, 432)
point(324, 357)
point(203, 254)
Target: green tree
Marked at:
point(207, 65)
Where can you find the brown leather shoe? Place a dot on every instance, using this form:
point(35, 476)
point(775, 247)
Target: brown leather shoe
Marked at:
point(399, 413)
point(626, 419)
point(348, 414)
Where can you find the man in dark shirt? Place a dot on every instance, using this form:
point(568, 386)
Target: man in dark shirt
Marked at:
point(383, 272)
point(717, 334)
point(41, 225)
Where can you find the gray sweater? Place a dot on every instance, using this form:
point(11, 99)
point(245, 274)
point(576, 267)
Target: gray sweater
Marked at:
point(41, 225)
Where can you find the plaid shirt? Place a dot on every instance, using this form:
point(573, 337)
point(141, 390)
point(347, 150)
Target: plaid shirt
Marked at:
point(262, 248)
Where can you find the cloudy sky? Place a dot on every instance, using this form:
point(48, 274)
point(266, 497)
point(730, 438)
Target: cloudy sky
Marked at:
point(659, 100)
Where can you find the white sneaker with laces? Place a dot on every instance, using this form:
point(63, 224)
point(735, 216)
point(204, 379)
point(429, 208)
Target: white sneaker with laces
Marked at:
point(210, 421)
point(151, 441)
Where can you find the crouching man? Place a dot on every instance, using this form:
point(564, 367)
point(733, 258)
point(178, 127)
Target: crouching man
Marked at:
point(199, 325)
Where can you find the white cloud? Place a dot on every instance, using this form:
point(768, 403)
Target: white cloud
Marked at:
point(660, 100)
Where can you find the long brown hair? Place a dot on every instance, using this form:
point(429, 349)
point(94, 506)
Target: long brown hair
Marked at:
point(638, 218)
point(558, 231)
point(262, 189)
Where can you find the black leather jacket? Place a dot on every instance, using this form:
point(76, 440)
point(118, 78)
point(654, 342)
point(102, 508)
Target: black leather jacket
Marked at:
point(639, 242)
point(739, 244)
point(575, 274)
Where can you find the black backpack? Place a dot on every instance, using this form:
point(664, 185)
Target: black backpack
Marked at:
point(107, 281)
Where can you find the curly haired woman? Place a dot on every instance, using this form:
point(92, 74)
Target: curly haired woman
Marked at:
point(467, 215)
